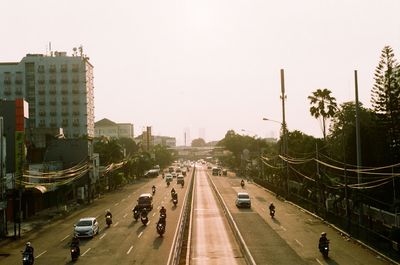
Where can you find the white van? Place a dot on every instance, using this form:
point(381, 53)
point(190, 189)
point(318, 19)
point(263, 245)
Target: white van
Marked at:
point(168, 177)
point(179, 179)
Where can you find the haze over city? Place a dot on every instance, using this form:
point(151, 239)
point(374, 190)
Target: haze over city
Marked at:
point(209, 66)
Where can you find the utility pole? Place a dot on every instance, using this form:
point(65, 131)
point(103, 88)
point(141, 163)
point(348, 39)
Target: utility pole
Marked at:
point(284, 129)
point(358, 144)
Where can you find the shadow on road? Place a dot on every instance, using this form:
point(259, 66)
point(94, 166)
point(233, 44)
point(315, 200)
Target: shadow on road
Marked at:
point(330, 261)
point(140, 229)
point(276, 221)
point(157, 242)
point(133, 223)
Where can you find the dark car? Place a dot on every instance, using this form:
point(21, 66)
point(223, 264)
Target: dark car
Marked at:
point(145, 201)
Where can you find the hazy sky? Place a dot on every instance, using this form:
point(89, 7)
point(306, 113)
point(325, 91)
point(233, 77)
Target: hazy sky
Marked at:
point(210, 65)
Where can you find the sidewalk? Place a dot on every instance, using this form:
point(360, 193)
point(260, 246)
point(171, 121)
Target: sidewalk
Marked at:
point(40, 219)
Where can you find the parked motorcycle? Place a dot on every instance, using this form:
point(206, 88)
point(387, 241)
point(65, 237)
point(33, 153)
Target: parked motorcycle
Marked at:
point(74, 253)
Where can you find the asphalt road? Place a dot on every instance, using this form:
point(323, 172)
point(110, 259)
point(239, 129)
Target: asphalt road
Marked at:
point(292, 236)
point(212, 241)
point(126, 242)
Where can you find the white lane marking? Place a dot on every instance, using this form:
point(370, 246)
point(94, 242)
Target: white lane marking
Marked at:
point(97, 216)
point(40, 254)
point(129, 196)
point(148, 223)
point(86, 252)
point(154, 214)
point(298, 242)
point(116, 224)
point(129, 251)
point(122, 200)
point(141, 233)
point(125, 215)
point(64, 238)
point(310, 220)
point(103, 235)
point(116, 204)
point(319, 262)
point(284, 229)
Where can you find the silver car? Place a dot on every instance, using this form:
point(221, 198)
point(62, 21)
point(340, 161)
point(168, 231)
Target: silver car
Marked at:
point(243, 200)
point(86, 227)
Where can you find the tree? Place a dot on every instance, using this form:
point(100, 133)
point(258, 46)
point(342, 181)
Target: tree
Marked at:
point(385, 97)
point(109, 151)
point(199, 142)
point(129, 145)
point(323, 106)
point(163, 156)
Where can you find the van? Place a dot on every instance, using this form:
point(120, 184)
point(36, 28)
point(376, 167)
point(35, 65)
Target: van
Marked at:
point(216, 171)
point(179, 179)
point(168, 178)
point(145, 200)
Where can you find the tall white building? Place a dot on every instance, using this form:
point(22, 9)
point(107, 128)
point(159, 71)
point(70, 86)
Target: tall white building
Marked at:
point(58, 88)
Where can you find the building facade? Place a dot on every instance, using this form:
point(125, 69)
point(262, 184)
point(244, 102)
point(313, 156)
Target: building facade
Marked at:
point(58, 88)
point(110, 129)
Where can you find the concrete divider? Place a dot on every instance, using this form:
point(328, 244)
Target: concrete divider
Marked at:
point(242, 244)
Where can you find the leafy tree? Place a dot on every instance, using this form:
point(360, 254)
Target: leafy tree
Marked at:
point(323, 106)
point(129, 145)
point(199, 142)
point(163, 156)
point(385, 97)
point(110, 151)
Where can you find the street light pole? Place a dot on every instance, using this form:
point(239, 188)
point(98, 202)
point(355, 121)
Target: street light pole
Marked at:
point(284, 128)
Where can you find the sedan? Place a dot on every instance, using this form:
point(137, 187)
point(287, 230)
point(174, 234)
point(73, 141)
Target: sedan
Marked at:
point(86, 227)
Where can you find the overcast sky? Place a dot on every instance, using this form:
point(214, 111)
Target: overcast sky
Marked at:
point(208, 66)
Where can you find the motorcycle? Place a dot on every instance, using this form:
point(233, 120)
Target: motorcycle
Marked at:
point(182, 184)
point(136, 214)
point(168, 183)
point(324, 249)
point(160, 228)
point(144, 218)
point(108, 220)
point(242, 184)
point(175, 201)
point(272, 213)
point(27, 258)
point(153, 190)
point(74, 253)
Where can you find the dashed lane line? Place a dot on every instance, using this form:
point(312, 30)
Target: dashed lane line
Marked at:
point(129, 251)
point(116, 224)
point(141, 233)
point(122, 200)
point(40, 254)
point(298, 242)
point(154, 214)
point(284, 229)
point(64, 238)
point(319, 261)
point(116, 204)
point(125, 215)
point(86, 252)
point(103, 235)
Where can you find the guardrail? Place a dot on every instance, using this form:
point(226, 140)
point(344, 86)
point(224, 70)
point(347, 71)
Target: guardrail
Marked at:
point(242, 244)
point(175, 253)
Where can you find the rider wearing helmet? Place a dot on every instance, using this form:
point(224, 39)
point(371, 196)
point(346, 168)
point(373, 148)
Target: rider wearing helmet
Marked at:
point(108, 213)
point(323, 240)
point(75, 243)
point(29, 250)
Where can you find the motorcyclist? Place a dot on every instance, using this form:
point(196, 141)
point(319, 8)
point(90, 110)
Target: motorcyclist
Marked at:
point(75, 243)
point(173, 191)
point(174, 195)
point(108, 213)
point(182, 183)
point(323, 241)
point(242, 183)
point(272, 208)
point(163, 215)
point(29, 250)
point(153, 188)
point(143, 213)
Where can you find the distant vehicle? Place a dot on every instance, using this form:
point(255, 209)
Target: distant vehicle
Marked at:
point(178, 170)
point(224, 172)
point(152, 173)
point(171, 169)
point(174, 174)
point(168, 177)
point(216, 171)
point(184, 172)
point(86, 227)
point(209, 167)
point(179, 179)
point(243, 200)
point(145, 201)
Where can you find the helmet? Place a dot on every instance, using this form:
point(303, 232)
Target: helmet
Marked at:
point(28, 244)
point(323, 234)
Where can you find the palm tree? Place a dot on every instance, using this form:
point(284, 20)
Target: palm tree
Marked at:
point(323, 106)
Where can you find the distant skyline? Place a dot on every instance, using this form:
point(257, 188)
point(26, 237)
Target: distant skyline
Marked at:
point(213, 65)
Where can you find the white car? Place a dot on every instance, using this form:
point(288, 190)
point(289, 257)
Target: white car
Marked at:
point(243, 200)
point(86, 227)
